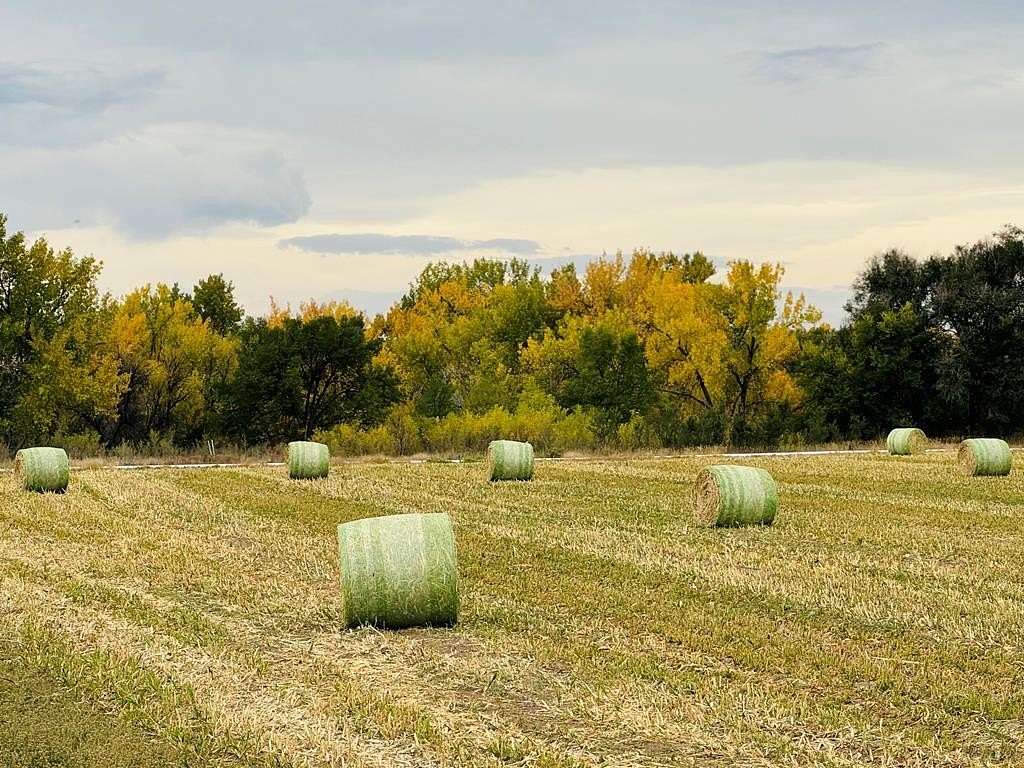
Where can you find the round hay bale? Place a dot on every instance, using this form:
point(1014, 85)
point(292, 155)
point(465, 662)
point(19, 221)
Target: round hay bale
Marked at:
point(308, 460)
point(509, 460)
point(987, 456)
point(399, 571)
point(729, 495)
point(905, 441)
point(42, 469)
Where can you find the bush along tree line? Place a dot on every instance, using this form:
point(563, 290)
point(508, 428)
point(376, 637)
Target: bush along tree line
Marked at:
point(654, 350)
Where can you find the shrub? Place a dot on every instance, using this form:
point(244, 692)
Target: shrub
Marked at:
point(349, 440)
point(458, 431)
point(378, 440)
point(404, 430)
point(537, 420)
point(158, 445)
point(637, 434)
point(80, 445)
point(575, 431)
point(343, 440)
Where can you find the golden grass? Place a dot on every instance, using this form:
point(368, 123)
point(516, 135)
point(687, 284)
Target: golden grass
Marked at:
point(878, 622)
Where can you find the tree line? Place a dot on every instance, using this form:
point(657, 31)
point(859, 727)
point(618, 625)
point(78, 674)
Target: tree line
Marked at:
point(644, 351)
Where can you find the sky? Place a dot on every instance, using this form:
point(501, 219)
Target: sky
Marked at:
point(333, 149)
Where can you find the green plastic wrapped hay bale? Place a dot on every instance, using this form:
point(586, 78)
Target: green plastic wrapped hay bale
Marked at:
point(308, 460)
point(399, 571)
point(509, 460)
point(42, 469)
point(984, 456)
point(904, 441)
point(727, 495)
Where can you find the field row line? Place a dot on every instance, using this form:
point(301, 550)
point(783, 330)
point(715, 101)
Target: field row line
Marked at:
point(763, 454)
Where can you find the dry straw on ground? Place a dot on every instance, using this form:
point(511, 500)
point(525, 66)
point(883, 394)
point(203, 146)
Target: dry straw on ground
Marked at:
point(307, 460)
point(879, 626)
point(42, 469)
point(906, 441)
point(985, 456)
point(727, 495)
point(509, 460)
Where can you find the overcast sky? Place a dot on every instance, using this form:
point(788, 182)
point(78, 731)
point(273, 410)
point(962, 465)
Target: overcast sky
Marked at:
point(317, 149)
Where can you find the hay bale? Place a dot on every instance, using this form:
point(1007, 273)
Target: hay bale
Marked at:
point(904, 441)
point(984, 456)
point(399, 571)
point(308, 460)
point(727, 495)
point(42, 469)
point(509, 460)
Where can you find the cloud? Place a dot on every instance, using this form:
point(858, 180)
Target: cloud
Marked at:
point(795, 65)
point(79, 88)
point(308, 28)
point(391, 104)
point(76, 103)
point(173, 179)
point(420, 111)
point(407, 245)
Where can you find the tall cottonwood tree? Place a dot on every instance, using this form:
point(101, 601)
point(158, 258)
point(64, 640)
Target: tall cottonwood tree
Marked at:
point(51, 317)
point(172, 361)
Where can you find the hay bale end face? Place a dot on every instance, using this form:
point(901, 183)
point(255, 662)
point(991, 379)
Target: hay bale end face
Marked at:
point(42, 469)
point(731, 495)
point(399, 571)
point(307, 460)
point(905, 441)
point(509, 460)
point(984, 456)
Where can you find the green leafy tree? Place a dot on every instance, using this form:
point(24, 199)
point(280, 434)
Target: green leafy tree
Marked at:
point(44, 296)
point(934, 342)
point(213, 299)
point(891, 281)
point(879, 371)
point(977, 302)
point(598, 365)
point(302, 376)
point(72, 384)
point(262, 403)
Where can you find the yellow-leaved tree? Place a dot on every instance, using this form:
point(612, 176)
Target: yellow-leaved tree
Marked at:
point(455, 339)
point(171, 359)
point(724, 348)
point(310, 310)
point(684, 337)
point(761, 342)
point(73, 386)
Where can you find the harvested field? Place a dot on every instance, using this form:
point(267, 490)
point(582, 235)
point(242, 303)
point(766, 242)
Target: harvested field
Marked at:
point(879, 621)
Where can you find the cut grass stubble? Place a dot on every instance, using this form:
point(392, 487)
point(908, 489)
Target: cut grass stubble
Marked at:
point(874, 622)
